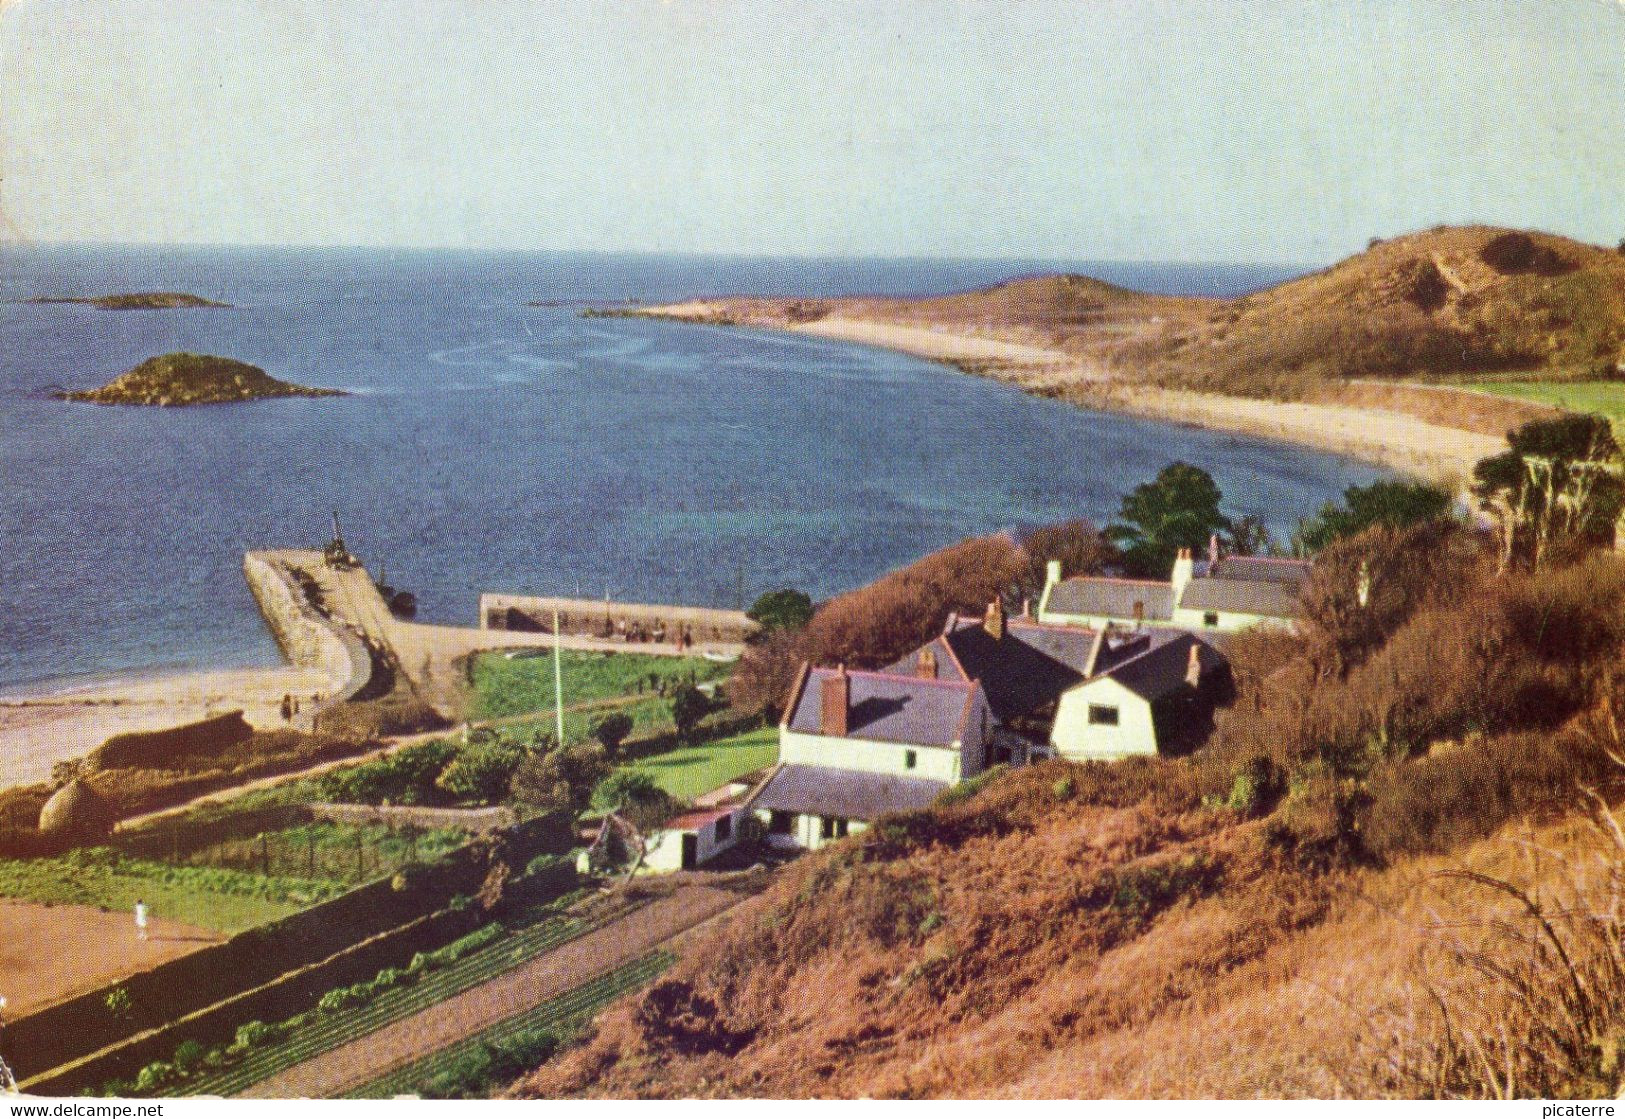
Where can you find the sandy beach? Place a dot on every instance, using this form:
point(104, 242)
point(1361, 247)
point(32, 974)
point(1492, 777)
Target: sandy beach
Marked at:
point(38, 731)
point(1387, 436)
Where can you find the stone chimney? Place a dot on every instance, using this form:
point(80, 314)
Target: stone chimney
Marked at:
point(1213, 549)
point(1184, 570)
point(927, 669)
point(837, 704)
point(1193, 670)
point(993, 621)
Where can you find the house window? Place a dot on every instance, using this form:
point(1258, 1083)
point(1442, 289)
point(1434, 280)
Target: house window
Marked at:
point(780, 823)
point(1210, 619)
point(911, 758)
point(832, 827)
point(725, 828)
point(1102, 716)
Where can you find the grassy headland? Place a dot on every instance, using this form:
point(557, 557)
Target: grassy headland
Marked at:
point(1447, 307)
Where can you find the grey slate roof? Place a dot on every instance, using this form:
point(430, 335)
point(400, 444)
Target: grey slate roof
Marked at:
point(1265, 597)
point(1112, 598)
point(844, 793)
point(1162, 669)
point(1271, 569)
point(888, 708)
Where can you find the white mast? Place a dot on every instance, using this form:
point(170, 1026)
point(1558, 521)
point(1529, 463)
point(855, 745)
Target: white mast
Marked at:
point(558, 680)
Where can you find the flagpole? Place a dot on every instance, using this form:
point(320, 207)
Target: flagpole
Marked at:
point(558, 680)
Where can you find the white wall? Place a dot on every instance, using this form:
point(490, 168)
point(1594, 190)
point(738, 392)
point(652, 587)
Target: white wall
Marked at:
point(1228, 622)
point(936, 763)
point(1076, 739)
point(807, 831)
point(665, 847)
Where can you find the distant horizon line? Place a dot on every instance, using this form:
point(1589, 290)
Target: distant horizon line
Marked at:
point(13, 242)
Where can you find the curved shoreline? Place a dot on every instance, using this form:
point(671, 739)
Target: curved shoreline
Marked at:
point(1385, 437)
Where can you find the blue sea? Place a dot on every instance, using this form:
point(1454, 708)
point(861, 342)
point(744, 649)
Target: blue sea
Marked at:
point(495, 446)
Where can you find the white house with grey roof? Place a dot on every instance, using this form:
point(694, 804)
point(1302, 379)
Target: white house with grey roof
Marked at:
point(1222, 595)
point(855, 745)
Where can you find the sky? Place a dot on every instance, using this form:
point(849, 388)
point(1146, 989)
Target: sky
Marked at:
point(1194, 130)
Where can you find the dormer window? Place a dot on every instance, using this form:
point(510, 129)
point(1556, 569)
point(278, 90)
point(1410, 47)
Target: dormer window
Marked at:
point(911, 758)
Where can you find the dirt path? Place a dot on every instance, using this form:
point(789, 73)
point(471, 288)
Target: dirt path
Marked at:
point(445, 1023)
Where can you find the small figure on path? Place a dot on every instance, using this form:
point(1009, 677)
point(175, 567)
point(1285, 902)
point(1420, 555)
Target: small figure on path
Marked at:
point(140, 919)
point(287, 707)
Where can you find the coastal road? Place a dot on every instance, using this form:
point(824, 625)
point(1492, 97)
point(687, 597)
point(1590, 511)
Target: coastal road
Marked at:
point(446, 1023)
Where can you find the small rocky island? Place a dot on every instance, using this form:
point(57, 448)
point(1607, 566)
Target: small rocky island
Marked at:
point(172, 380)
point(134, 301)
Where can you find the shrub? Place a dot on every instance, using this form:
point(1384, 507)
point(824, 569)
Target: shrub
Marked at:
point(405, 777)
point(481, 771)
point(612, 730)
point(155, 1077)
point(188, 1056)
point(251, 1035)
point(783, 609)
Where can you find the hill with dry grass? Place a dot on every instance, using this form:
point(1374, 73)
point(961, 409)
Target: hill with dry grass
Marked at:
point(1447, 304)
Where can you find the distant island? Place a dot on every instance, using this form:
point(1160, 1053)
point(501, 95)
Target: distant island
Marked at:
point(173, 380)
point(134, 301)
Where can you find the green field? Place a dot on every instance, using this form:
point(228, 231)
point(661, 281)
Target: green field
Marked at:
point(225, 900)
point(1605, 398)
point(504, 687)
point(688, 771)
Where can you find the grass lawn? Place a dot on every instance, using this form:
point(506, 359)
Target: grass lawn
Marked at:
point(1605, 398)
point(225, 900)
point(504, 687)
point(687, 772)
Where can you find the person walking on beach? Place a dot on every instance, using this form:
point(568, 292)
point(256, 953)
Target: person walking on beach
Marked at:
point(140, 919)
point(287, 707)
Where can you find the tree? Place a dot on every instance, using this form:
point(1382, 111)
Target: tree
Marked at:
point(688, 706)
point(1558, 487)
point(1180, 509)
point(612, 730)
point(1078, 545)
point(1395, 504)
point(783, 609)
point(562, 779)
point(1250, 536)
point(637, 798)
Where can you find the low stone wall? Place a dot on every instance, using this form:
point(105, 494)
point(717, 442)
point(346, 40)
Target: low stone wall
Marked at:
point(594, 618)
point(478, 820)
point(306, 638)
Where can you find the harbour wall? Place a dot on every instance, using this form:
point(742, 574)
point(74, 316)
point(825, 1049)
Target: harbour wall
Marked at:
point(307, 638)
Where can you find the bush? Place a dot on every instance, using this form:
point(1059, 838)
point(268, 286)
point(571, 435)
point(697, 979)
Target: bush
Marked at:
point(405, 777)
point(784, 609)
point(155, 1077)
point(189, 1055)
point(481, 771)
point(251, 1035)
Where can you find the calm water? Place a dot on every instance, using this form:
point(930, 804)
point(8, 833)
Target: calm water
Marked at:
point(495, 446)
